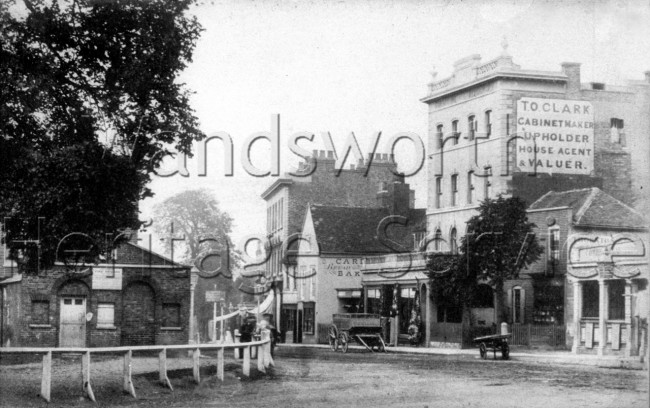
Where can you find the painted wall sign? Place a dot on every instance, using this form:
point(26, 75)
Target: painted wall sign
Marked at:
point(107, 278)
point(555, 136)
point(343, 267)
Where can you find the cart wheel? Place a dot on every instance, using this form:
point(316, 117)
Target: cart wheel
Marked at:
point(505, 351)
point(332, 336)
point(344, 339)
point(483, 350)
point(380, 346)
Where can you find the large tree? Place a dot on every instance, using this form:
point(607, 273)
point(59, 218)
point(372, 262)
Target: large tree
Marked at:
point(90, 103)
point(499, 244)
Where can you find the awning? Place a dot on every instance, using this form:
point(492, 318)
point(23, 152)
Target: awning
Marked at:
point(349, 293)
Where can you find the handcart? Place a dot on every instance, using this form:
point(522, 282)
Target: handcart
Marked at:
point(363, 328)
point(496, 342)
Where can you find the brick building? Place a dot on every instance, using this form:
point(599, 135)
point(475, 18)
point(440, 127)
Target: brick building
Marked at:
point(317, 182)
point(596, 247)
point(495, 128)
point(327, 275)
point(139, 298)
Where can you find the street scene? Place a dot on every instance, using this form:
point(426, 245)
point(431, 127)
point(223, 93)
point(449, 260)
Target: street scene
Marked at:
point(320, 378)
point(324, 203)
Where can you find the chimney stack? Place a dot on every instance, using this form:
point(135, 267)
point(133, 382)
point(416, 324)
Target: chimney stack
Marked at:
point(572, 71)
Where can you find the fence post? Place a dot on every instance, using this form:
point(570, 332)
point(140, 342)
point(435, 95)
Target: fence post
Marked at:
point(220, 363)
point(127, 383)
point(196, 365)
point(46, 380)
point(85, 374)
point(260, 361)
point(246, 367)
point(162, 369)
point(237, 350)
point(528, 339)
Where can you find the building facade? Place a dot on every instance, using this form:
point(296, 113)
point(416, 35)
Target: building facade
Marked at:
point(497, 129)
point(317, 182)
point(139, 298)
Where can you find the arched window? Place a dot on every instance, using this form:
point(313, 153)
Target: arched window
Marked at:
point(452, 241)
point(437, 240)
point(470, 187)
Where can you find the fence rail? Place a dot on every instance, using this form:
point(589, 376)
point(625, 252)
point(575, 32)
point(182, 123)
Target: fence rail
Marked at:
point(264, 360)
point(542, 335)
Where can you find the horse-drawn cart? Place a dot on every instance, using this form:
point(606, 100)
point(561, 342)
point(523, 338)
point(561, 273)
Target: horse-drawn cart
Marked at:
point(363, 328)
point(496, 342)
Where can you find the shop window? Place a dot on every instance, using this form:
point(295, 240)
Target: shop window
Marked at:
point(454, 189)
point(488, 123)
point(471, 127)
point(106, 315)
point(438, 191)
point(470, 187)
point(453, 243)
point(308, 319)
point(405, 306)
point(40, 312)
point(373, 301)
point(454, 131)
point(616, 299)
point(590, 299)
point(171, 315)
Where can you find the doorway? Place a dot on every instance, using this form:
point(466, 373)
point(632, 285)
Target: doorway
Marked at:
point(72, 322)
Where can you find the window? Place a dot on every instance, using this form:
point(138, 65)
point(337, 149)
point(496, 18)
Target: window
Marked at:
point(471, 127)
point(470, 187)
point(437, 240)
point(439, 135)
point(487, 186)
point(438, 191)
point(616, 130)
point(616, 299)
point(553, 250)
point(40, 312)
point(373, 297)
point(518, 305)
point(454, 189)
point(452, 241)
point(454, 131)
point(106, 315)
point(171, 315)
point(417, 240)
point(590, 299)
point(308, 319)
point(488, 123)
point(312, 281)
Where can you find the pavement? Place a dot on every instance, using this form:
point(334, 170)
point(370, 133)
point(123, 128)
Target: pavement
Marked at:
point(516, 353)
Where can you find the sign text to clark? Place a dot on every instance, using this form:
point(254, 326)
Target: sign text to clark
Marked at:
point(558, 136)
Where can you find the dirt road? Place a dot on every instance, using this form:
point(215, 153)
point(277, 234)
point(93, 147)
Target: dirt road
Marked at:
point(321, 378)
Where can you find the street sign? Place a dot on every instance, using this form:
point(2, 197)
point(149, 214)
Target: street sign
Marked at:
point(215, 295)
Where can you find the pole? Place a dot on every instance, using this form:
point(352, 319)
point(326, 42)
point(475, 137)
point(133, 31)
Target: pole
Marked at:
point(222, 337)
point(214, 316)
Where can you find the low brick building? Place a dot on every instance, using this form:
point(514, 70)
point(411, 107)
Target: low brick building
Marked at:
point(139, 298)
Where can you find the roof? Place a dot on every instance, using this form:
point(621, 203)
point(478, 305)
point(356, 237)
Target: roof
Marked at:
point(279, 182)
point(354, 229)
point(594, 208)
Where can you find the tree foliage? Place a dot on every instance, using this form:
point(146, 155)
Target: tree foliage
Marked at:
point(90, 103)
point(500, 243)
point(195, 215)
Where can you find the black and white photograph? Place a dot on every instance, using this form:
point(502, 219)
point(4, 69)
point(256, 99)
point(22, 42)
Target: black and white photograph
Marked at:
point(324, 203)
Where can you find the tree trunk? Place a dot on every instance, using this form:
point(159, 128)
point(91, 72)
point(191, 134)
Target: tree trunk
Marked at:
point(500, 307)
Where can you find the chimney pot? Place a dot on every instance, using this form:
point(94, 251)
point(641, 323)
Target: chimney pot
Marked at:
point(322, 154)
point(330, 154)
point(647, 76)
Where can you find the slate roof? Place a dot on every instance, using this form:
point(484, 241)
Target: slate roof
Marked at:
point(354, 229)
point(594, 208)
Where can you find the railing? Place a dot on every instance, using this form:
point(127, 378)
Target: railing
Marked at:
point(264, 360)
point(533, 334)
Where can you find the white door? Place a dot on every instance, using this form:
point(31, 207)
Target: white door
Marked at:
point(72, 324)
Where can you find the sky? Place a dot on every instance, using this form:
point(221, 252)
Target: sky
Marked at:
point(363, 66)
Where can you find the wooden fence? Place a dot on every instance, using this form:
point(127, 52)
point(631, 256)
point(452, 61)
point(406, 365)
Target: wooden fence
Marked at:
point(264, 360)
